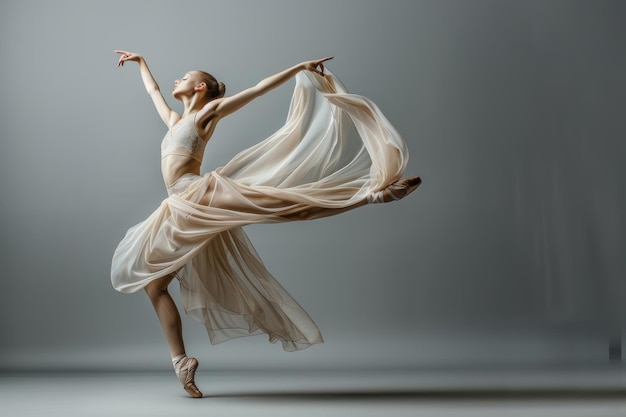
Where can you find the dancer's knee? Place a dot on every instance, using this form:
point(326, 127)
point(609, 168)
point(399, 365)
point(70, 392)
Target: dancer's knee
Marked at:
point(158, 288)
point(155, 291)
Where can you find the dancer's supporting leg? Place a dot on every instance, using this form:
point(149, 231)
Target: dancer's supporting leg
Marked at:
point(173, 329)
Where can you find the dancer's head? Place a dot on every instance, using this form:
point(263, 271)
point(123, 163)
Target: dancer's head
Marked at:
point(201, 82)
point(214, 89)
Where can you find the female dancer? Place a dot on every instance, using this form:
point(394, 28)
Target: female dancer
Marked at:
point(335, 152)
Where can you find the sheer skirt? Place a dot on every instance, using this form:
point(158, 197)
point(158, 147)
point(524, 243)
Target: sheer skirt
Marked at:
point(334, 150)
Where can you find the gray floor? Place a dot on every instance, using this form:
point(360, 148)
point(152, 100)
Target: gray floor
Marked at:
point(570, 393)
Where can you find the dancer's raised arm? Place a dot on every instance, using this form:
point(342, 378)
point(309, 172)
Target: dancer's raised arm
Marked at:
point(228, 105)
point(168, 115)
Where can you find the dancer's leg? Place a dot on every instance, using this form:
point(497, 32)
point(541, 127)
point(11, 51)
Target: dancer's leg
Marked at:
point(396, 191)
point(253, 201)
point(173, 329)
point(167, 313)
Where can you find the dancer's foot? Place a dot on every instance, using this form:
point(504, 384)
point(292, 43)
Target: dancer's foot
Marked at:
point(186, 371)
point(395, 191)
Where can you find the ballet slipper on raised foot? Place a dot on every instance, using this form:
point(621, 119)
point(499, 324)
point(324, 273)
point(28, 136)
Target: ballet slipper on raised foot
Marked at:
point(395, 191)
point(186, 371)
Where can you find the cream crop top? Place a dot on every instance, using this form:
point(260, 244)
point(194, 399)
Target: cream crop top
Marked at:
point(182, 139)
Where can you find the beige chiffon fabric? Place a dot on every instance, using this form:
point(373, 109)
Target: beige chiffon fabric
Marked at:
point(334, 150)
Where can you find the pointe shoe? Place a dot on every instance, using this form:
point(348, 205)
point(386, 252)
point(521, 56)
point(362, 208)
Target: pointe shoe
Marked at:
point(395, 191)
point(186, 371)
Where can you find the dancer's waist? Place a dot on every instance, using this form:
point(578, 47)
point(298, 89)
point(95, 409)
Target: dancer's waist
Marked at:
point(181, 184)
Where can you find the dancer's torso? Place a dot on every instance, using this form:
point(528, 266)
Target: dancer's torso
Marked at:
point(181, 150)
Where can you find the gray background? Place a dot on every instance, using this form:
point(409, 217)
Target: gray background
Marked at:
point(511, 253)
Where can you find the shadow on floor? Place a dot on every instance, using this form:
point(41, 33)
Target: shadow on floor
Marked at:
point(462, 395)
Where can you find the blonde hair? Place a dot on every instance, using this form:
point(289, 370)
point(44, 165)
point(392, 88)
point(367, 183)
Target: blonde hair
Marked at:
point(214, 89)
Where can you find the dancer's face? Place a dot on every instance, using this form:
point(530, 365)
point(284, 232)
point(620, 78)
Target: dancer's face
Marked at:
point(186, 85)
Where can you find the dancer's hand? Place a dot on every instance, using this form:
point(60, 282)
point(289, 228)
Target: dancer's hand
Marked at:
point(127, 56)
point(316, 66)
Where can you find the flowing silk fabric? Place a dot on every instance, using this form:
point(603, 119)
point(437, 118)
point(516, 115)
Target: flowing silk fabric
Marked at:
point(334, 150)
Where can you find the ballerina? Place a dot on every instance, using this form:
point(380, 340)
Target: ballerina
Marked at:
point(336, 152)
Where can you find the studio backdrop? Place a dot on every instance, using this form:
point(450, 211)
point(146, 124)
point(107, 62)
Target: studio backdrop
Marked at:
point(510, 253)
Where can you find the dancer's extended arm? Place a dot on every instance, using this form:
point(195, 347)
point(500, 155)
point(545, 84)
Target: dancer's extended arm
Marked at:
point(168, 115)
point(228, 105)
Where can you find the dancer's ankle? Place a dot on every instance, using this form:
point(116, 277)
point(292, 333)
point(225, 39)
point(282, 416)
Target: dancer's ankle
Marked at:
point(177, 361)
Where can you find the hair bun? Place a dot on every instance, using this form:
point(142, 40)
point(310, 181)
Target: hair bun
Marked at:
point(221, 88)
